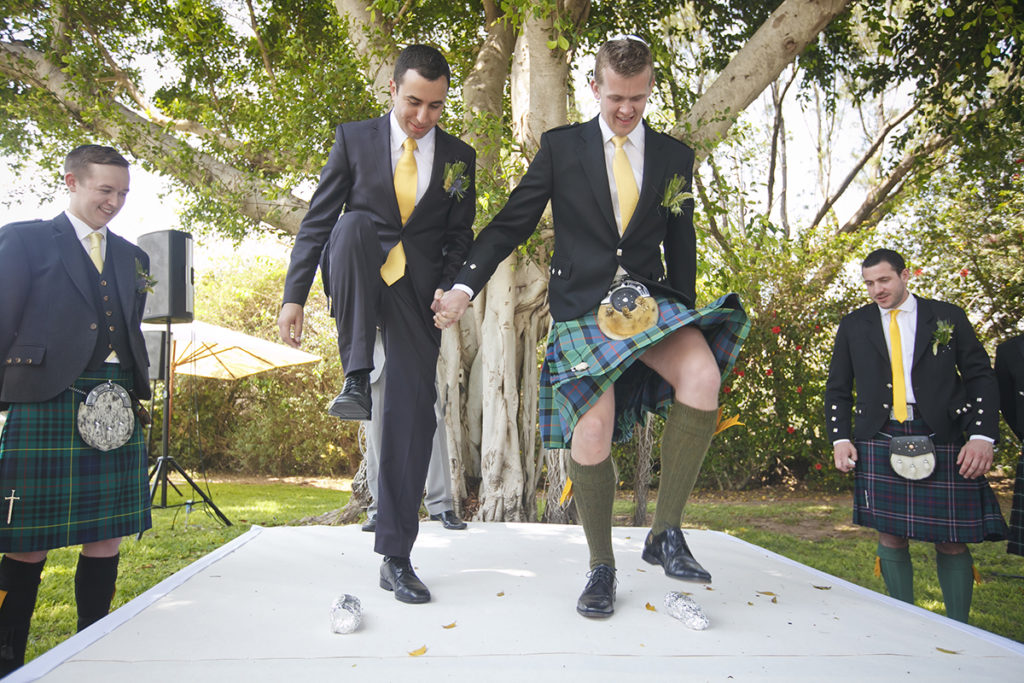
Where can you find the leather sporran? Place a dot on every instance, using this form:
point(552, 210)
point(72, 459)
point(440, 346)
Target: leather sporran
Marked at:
point(105, 418)
point(912, 457)
point(627, 310)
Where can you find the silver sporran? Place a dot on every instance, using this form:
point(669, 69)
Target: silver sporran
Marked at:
point(105, 417)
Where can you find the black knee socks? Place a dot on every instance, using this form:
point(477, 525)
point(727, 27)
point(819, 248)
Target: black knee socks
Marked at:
point(19, 585)
point(95, 580)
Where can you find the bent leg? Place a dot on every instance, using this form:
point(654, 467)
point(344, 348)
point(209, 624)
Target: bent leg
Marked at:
point(593, 477)
point(355, 285)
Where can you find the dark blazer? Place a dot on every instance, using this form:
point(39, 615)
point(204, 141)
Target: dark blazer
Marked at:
point(955, 387)
point(1010, 374)
point(48, 315)
point(570, 171)
point(358, 177)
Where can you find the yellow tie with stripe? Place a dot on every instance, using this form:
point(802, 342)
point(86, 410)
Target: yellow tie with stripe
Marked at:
point(625, 181)
point(96, 249)
point(899, 387)
point(405, 191)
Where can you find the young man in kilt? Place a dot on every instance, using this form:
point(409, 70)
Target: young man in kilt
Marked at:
point(619, 193)
point(919, 370)
point(70, 314)
point(1010, 374)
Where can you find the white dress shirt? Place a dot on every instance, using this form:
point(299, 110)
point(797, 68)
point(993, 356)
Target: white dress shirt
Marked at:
point(424, 154)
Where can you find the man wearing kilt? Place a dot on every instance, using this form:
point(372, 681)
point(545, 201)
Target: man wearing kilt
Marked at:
point(919, 370)
point(619, 193)
point(70, 314)
point(1010, 374)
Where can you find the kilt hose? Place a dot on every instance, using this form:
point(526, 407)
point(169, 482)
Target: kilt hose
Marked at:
point(581, 363)
point(56, 491)
point(1016, 536)
point(943, 508)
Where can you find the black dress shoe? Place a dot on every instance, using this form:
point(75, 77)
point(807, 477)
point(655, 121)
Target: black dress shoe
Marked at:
point(597, 601)
point(353, 403)
point(370, 524)
point(670, 551)
point(449, 520)
point(396, 575)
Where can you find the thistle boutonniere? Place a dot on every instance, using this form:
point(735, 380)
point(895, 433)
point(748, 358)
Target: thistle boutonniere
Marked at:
point(674, 196)
point(144, 282)
point(942, 335)
point(456, 182)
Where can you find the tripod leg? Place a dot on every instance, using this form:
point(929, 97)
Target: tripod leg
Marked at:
point(202, 494)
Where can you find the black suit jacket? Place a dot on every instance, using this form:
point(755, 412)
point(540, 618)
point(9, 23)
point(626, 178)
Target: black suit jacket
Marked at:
point(358, 177)
point(955, 388)
point(48, 320)
point(1010, 374)
point(570, 171)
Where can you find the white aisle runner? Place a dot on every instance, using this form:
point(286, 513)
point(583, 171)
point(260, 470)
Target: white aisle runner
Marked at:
point(503, 609)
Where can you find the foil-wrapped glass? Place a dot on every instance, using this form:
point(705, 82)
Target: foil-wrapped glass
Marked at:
point(346, 614)
point(686, 610)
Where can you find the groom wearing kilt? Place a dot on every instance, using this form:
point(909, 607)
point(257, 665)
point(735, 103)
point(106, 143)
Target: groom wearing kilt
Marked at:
point(627, 336)
point(70, 315)
point(1010, 374)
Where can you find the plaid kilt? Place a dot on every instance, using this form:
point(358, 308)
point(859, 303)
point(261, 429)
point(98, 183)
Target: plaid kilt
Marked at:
point(65, 492)
point(1016, 544)
point(945, 507)
point(581, 363)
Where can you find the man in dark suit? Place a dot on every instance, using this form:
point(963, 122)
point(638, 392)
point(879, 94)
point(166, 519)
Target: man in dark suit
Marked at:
point(918, 369)
point(70, 316)
point(619, 195)
point(1010, 375)
point(389, 225)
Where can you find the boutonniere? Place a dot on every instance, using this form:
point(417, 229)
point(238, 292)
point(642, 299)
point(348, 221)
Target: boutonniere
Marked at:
point(144, 282)
point(456, 182)
point(674, 196)
point(942, 335)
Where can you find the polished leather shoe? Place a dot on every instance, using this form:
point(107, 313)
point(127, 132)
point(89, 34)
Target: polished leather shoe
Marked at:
point(597, 601)
point(396, 575)
point(449, 520)
point(353, 403)
point(370, 524)
point(669, 549)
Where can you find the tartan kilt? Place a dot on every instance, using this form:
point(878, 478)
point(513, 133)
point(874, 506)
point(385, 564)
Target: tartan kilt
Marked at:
point(581, 363)
point(945, 507)
point(65, 492)
point(1016, 536)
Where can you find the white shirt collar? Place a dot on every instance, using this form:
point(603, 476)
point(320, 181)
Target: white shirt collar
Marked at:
point(424, 145)
point(909, 305)
point(82, 229)
point(636, 136)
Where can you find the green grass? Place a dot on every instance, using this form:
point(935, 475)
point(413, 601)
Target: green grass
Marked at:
point(815, 532)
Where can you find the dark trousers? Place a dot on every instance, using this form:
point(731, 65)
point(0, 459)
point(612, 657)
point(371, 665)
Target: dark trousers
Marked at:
point(362, 302)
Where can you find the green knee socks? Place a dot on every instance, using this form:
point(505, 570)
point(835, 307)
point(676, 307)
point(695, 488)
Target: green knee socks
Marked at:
point(593, 489)
point(956, 577)
point(684, 443)
point(898, 572)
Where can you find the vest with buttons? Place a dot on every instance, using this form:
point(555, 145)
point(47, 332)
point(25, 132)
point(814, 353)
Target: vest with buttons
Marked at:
point(112, 332)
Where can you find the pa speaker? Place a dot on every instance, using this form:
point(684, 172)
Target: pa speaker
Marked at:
point(156, 348)
point(170, 265)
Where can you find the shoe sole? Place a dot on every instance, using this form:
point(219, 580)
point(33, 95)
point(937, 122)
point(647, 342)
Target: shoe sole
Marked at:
point(593, 614)
point(347, 413)
point(415, 601)
point(649, 558)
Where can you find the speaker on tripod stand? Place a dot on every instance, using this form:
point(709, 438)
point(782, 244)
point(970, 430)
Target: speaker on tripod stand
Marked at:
point(171, 301)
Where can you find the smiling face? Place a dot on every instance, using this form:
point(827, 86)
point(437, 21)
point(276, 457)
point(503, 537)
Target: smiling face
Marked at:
point(97, 193)
point(418, 102)
point(886, 287)
point(622, 99)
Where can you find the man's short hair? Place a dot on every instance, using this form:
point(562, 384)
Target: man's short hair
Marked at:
point(625, 56)
point(889, 256)
point(425, 60)
point(78, 159)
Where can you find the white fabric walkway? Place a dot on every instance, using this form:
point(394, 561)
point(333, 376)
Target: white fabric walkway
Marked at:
point(258, 610)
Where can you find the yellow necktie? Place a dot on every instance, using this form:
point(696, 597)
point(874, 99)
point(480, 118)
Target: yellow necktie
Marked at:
point(899, 388)
point(95, 250)
point(625, 182)
point(405, 191)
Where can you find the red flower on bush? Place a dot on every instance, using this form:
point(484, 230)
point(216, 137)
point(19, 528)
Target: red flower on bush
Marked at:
point(918, 271)
point(790, 430)
point(800, 390)
point(817, 328)
point(769, 372)
point(963, 272)
point(776, 329)
point(739, 373)
point(799, 348)
point(817, 466)
point(726, 389)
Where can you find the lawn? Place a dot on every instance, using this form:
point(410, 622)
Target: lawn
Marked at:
point(811, 529)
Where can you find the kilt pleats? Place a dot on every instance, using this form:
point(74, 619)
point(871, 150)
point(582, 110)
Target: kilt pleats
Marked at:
point(1016, 536)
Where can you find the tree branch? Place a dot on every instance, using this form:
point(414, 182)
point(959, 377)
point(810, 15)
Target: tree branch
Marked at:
point(372, 41)
point(263, 48)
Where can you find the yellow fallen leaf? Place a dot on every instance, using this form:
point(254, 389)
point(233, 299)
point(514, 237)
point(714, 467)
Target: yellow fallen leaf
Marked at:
point(417, 653)
point(566, 491)
point(775, 600)
point(948, 652)
point(727, 422)
point(708, 588)
point(501, 594)
point(650, 607)
point(749, 603)
point(451, 625)
point(764, 593)
point(823, 588)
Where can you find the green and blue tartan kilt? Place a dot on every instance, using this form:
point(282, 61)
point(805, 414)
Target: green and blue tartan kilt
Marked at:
point(943, 508)
point(57, 490)
point(1016, 536)
point(581, 363)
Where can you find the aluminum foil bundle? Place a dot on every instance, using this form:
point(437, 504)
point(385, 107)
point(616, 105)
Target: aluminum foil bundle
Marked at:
point(685, 609)
point(346, 614)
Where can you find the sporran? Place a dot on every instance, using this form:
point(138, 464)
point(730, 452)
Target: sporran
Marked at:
point(105, 418)
point(912, 457)
point(627, 310)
